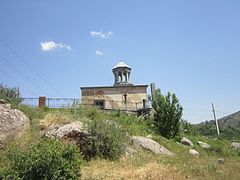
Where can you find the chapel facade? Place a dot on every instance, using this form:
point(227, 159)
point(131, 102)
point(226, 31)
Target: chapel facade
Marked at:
point(123, 95)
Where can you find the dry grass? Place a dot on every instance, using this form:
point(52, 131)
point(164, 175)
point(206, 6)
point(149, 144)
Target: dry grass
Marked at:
point(149, 166)
point(53, 118)
point(126, 168)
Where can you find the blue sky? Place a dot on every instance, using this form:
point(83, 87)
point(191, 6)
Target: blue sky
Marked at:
point(188, 47)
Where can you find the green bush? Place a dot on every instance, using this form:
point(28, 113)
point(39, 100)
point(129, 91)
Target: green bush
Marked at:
point(187, 128)
point(107, 139)
point(10, 95)
point(48, 159)
point(167, 114)
point(33, 113)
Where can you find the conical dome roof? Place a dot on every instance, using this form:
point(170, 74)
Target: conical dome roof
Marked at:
point(121, 64)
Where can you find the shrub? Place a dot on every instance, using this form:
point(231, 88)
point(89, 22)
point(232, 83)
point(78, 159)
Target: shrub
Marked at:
point(48, 159)
point(90, 112)
point(107, 139)
point(167, 114)
point(187, 128)
point(11, 95)
point(33, 113)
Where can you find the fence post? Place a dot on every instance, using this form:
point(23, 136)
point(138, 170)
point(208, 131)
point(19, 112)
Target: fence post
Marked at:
point(42, 102)
point(144, 104)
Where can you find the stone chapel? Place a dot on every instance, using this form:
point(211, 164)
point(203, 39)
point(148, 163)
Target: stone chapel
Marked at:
point(123, 95)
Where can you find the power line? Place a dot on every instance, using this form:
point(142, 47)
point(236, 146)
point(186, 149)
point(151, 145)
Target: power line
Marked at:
point(9, 76)
point(222, 112)
point(202, 110)
point(23, 75)
point(31, 68)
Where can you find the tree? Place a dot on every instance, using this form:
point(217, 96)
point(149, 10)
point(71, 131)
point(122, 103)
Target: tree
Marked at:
point(167, 114)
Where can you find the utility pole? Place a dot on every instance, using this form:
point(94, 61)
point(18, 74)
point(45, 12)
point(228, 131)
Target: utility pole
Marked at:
point(214, 114)
point(153, 91)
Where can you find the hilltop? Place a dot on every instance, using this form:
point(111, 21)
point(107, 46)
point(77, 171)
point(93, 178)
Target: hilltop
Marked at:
point(232, 120)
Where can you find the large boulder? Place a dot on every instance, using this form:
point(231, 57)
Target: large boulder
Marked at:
point(186, 142)
point(74, 132)
point(235, 145)
point(60, 130)
point(203, 145)
point(149, 144)
point(13, 122)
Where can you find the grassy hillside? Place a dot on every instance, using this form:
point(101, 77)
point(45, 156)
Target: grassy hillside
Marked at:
point(143, 165)
point(229, 127)
point(232, 120)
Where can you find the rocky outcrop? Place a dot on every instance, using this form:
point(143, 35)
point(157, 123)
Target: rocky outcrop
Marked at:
point(59, 130)
point(186, 142)
point(13, 122)
point(74, 132)
point(203, 145)
point(194, 153)
point(235, 145)
point(149, 144)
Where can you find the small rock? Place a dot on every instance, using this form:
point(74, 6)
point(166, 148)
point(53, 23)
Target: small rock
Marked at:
point(186, 142)
point(194, 153)
point(221, 160)
point(203, 145)
point(235, 145)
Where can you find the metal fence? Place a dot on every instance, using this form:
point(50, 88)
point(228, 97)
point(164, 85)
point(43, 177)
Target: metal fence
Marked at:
point(74, 103)
point(52, 102)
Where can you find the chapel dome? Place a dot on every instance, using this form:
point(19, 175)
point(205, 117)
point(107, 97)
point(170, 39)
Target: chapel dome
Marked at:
point(122, 73)
point(121, 64)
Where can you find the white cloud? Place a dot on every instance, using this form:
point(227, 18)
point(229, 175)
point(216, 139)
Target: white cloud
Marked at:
point(101, 35)
point(51, 45)
point(99, 53)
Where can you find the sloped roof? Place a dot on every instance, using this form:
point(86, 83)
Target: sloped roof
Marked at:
point(121, 64)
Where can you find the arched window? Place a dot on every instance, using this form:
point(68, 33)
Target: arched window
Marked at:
point(120, 76)
point(125, 77)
